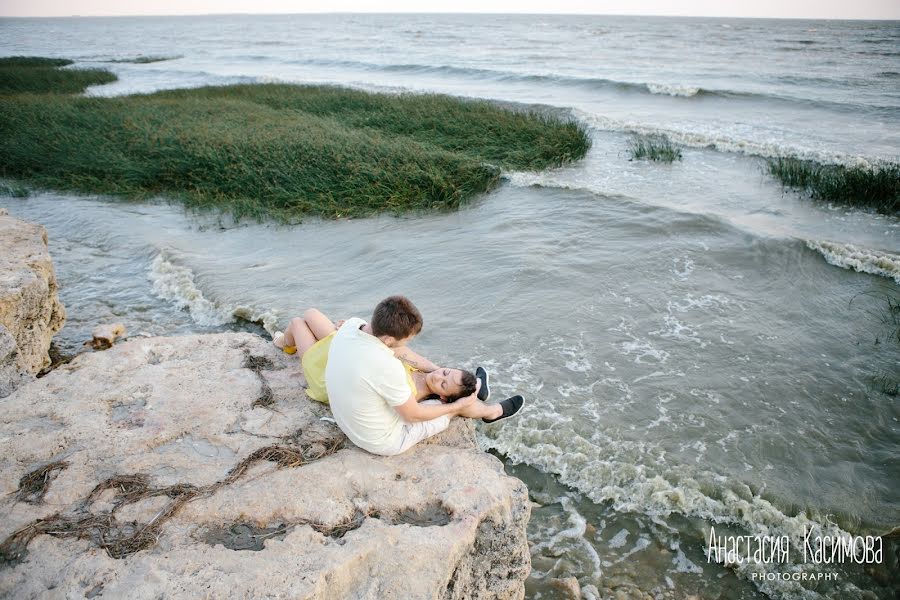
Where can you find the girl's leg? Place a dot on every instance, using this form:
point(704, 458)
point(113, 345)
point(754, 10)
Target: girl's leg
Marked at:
point(320, 325)
point(306, 331)
point(298, 334)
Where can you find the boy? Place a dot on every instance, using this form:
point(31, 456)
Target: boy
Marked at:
point(368, 390)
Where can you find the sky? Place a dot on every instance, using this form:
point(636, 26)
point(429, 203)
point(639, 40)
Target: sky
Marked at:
point(821, 9)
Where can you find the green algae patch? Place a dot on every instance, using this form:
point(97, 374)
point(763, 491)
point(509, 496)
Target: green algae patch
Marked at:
point(277, 151)
point(657, 148)
point(876, 186)
point(33, 74)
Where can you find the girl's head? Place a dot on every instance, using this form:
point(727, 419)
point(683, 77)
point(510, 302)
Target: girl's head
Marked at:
point(451, 384)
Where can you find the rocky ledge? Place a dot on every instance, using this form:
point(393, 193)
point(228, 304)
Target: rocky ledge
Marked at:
point(30, 311)
point(195, 466)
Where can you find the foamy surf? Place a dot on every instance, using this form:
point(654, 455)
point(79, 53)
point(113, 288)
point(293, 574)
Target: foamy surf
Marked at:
point(685, 91)
point(612, 471)
point(176, 284)
point(739, 142)
point(863, 260)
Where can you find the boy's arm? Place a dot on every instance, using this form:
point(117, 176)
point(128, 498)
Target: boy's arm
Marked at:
point(412, 411)
point(415, 360)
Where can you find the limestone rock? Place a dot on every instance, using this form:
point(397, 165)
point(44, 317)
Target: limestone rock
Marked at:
point(164, 444)
point(29, 307)
point(11, 372)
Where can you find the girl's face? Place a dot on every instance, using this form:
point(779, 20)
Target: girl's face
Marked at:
point(444, 382)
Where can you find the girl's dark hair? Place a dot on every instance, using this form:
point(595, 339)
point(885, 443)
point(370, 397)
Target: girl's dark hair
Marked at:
point(466, 386)
point(397, 317)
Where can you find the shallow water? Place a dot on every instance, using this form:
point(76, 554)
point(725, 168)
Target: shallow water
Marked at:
point(698, 347)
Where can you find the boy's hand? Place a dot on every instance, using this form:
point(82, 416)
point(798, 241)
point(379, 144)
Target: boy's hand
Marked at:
point(464, 403)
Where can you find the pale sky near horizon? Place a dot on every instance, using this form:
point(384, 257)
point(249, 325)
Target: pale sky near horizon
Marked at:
point(819, 9)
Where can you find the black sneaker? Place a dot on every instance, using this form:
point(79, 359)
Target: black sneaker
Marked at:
point(511, 407)
point(484, 392)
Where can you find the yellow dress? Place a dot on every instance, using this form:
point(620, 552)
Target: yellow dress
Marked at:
point(313, 364)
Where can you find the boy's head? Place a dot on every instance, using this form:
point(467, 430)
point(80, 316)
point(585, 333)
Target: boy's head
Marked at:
point(396, 317)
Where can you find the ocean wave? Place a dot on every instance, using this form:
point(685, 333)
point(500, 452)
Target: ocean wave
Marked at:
point(676, 90)
point(725, 143)
point(175, 283)
point(634, 477)
point(848, 256)
point(802, 41)
point(879, 53)
point(673, 90)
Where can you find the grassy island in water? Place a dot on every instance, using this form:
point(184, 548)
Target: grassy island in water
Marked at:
point(266, 150)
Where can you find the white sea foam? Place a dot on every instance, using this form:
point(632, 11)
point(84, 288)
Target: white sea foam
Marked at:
point(574, 353)
point(673, 89)
point(682, 267)
point(859, 259)
point(268, 319)
point(176, 284)
point(725, 141)
point(642, 350)
point(672, 373)
point(690, 302)
point(571, 538)
point(683, 564)
point(676, 330)
point(634, 476)
point(619, 539)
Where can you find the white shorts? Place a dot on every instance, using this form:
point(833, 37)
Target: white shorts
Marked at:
point(413, 433)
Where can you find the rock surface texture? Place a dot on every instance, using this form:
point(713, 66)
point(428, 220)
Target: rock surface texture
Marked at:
point(195, 467)
point(29, 307)
point(11, 372)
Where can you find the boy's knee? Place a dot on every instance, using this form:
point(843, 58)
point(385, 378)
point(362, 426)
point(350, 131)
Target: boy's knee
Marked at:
point(297, 322)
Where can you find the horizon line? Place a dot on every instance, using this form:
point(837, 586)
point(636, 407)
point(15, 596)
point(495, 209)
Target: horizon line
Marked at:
point(541, 14)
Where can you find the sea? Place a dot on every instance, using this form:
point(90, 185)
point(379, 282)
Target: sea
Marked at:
point(702, 351)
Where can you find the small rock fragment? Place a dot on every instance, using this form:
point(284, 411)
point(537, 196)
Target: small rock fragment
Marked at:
point(106, 335)
point(569, 586)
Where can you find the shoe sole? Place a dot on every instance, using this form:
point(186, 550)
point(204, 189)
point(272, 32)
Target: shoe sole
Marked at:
point(487, 384)
point(512, 416)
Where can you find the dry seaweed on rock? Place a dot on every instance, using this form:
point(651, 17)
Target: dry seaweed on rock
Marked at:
point(282, 455)
point(257, 364)
point(119, 540)
point(33, 485)
point(126, 486)
point(266, 397)
point(122, 541)
point(13, 548)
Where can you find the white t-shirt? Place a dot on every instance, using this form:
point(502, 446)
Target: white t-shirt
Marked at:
point(365, 381)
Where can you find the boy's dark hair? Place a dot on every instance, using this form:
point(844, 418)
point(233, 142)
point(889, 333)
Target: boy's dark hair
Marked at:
point(466, 386)
point(397, 317)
